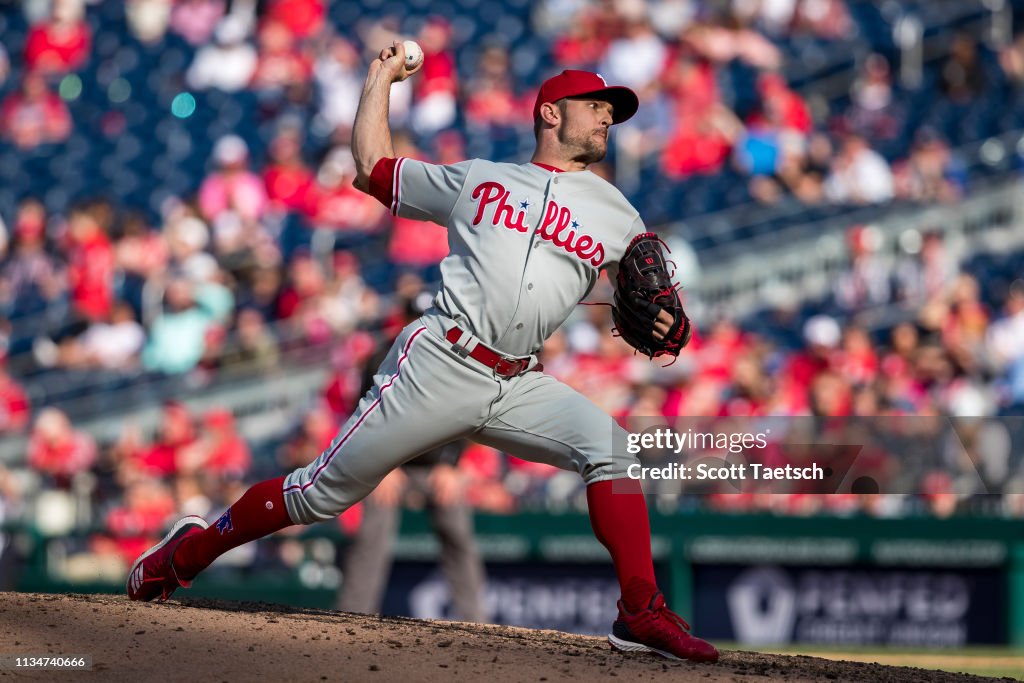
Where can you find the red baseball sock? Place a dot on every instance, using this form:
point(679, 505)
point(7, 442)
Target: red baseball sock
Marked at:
point(259, 512)
point(620, 522)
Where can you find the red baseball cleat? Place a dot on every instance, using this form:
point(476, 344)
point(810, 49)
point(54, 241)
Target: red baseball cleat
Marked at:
point(152, 575)
point(660, 630)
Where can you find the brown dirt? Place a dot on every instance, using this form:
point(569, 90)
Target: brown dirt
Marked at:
point(206, 640)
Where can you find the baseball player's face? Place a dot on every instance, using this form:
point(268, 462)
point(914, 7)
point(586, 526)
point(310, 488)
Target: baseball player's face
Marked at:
point(584, 130)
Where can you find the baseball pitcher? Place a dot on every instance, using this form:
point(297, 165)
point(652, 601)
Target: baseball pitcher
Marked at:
point(528, 243)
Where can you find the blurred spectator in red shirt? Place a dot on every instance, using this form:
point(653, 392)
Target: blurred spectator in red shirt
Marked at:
point(280, 63)
point(303, 300)
point(304, 18)
point(195, 20)
point(336, 204)
point(705, 129)
point(782, 105)
point(62, 42)
point(699, 145)
point(436, 87)
point(903, 344)
point(91, 263)
point(489, 97)
point(176, 433)
point(856, 360)
point(830, 395)
point(306, 282)
point(751, 390)
point(718, 351)
point(600, 375)
point(14, 404)
point(352, 359)
point(822, 335)
point(57, 449)
point(34, 115)
point(580, 47)
point(420, 244)
point(232, 187)
point(690, 82)
point(220, 452)
point(482, 466)
point(148, 504)
point(288, 179)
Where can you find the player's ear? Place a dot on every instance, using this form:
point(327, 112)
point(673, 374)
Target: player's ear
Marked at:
point(550, 113)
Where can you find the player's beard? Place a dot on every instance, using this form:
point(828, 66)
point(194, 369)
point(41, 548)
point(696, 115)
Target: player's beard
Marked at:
point(582, 146)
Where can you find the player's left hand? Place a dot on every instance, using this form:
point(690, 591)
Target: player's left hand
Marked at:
point(446, 484)
point(662, 324)
point(647, 311)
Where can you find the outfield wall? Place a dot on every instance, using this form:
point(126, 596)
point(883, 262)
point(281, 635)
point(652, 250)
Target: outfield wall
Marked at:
point(757, 580)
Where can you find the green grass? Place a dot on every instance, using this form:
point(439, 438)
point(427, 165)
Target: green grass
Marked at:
point(982, 661)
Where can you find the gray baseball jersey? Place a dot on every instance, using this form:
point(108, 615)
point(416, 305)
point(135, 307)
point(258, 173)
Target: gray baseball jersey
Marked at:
point(527, 243)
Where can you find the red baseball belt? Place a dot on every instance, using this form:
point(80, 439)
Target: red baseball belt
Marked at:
point(502, 366)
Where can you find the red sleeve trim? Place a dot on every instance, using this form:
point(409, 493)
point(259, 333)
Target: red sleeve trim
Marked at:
point(382, 182)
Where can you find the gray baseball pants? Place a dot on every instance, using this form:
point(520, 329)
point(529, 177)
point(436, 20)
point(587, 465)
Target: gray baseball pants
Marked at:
point(426, 395)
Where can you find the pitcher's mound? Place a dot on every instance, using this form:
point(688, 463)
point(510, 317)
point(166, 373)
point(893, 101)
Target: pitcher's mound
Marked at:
point(206, 640)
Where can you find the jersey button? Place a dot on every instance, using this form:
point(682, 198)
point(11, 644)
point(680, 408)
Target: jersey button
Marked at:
point(529, 286)
point(519, 326)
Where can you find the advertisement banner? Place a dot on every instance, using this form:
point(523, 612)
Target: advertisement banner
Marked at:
point(576, 598)
point(854, 605)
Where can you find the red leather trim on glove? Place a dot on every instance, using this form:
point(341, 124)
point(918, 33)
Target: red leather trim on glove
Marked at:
point(645, 235)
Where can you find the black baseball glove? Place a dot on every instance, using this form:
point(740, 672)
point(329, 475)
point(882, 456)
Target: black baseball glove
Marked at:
point(643, 289)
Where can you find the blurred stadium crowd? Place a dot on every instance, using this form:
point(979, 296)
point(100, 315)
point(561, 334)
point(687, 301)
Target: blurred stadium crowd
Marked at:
point(176, 204)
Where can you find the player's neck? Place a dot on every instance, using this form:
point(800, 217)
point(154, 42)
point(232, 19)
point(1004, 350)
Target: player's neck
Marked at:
point(547, 160)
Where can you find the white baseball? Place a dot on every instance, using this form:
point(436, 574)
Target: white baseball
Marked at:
point(413, 54)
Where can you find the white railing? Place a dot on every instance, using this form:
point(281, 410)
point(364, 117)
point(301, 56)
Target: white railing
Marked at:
point(990, 221)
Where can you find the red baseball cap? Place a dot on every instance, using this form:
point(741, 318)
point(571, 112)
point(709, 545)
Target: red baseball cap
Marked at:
point(573, 83)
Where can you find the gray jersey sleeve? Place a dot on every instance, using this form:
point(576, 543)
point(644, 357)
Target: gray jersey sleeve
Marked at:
point(428, 192)
point(612, 267)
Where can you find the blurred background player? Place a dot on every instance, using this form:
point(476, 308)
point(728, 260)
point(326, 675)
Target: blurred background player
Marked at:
point(434, 479)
